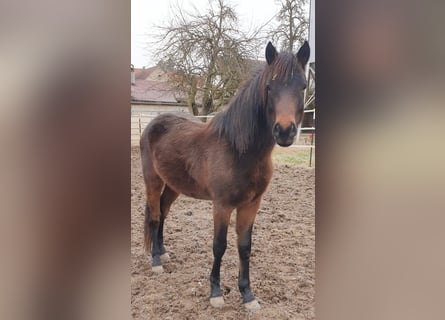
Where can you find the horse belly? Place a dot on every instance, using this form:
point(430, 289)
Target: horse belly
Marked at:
point(177, 178)
point(197, 193)
point(188, 187)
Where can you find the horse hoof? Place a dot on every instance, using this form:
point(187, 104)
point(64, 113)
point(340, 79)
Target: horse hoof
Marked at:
point(252, 305)
point(157, 269)
point(165, 257)
point(217, 302)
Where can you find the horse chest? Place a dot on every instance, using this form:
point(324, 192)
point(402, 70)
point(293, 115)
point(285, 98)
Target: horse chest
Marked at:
point(249, 184)
point(259, 179)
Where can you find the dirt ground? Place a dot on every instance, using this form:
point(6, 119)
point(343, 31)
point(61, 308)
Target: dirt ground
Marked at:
point(282, 267)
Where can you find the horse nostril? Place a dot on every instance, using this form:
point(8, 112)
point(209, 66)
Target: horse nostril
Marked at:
point(293, 130)
point(277, 129)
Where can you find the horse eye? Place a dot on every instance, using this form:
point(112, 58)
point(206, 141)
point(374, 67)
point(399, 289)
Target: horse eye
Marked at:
point(304, 87)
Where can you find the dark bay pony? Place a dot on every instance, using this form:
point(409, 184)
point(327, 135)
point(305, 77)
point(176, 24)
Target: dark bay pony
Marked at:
point(227, 160)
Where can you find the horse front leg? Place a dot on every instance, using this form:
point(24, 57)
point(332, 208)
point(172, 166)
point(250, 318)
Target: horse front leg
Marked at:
point(221, 219)
point(244, 223)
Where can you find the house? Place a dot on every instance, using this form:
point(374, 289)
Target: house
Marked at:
point(153, 93)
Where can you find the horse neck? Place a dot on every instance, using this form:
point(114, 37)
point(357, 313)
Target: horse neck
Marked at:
point(262, 142)
point(245, 124)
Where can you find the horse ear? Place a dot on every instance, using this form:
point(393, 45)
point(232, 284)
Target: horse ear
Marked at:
point(303, 54)
point(271, 53)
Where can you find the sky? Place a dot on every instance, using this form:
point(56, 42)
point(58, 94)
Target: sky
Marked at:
point(147, 13)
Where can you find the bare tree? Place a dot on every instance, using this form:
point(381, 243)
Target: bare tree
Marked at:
point(207, 53)
point(293, 24)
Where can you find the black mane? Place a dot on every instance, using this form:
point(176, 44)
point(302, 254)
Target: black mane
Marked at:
point(244, 124)
point(239, 122)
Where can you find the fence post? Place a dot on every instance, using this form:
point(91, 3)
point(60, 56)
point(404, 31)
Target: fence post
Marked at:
point(310, 155)
point(140, 125)
point(312, 138)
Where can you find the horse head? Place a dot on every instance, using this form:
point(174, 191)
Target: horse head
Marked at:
point(285, 84)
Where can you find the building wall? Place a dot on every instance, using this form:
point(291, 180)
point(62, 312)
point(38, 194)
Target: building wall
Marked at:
point(157, 108)
point(141, 114)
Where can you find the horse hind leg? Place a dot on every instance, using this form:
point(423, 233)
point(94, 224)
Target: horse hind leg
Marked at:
point(167, 198)
point(221, 219)
point(154, 186)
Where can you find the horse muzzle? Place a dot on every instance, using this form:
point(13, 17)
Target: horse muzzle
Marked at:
point(284, 136)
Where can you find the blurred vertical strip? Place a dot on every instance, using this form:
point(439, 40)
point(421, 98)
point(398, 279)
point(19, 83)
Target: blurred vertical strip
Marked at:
point(380, 160)
point(65, 159)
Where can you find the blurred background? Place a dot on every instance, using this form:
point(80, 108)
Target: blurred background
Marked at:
point(64, 110)
point(380, 160)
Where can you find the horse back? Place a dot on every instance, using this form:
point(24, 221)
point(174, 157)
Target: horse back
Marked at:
point(168, 123)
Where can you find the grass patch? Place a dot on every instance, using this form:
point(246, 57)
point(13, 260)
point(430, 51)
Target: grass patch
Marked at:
point(293, 156)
